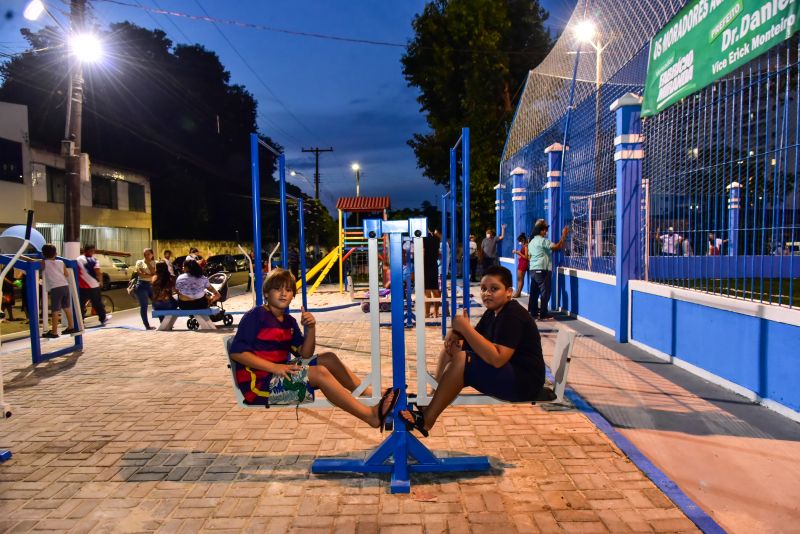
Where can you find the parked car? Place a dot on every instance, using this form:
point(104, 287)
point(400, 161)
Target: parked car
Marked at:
point(114, 269)
point(220, 262)
point(241, 262)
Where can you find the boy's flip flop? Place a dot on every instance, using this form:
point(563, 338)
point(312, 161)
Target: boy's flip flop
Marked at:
point(384, 413)
point(419, 420)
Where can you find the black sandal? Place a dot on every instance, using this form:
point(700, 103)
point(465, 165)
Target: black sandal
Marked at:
point(419, 420)
point(382, 415)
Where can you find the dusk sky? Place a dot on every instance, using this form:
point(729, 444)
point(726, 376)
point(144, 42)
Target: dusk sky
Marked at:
point(310, 91)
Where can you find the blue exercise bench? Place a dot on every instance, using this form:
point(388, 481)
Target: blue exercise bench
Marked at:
point(198, 319)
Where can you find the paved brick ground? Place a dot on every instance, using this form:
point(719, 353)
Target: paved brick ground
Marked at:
point(140, 433)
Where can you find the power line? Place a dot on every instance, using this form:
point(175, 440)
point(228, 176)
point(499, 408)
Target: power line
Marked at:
point(214, 20)
point(253, 71)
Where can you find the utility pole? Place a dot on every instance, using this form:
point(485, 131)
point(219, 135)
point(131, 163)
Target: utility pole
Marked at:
point(71, 146)
point(316, 151)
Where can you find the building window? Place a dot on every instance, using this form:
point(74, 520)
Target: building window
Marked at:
point(56, 182)
point(11, 161)
point(135, 197)
point(104, 192)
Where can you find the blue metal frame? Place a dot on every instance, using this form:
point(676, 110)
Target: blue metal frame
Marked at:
point(255, 179)
point(463, 143)
point(400, 445)
point(256, 190)
point(32, 298)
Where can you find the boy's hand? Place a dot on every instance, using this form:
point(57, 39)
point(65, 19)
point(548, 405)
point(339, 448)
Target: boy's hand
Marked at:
point(285, 370)
point(452, 340)
point(306, 318)
point(461, 323)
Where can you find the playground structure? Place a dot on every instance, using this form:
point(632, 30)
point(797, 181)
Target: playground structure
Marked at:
point(351, 238)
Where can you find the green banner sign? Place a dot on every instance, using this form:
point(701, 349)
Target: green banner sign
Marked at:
point(708, 39)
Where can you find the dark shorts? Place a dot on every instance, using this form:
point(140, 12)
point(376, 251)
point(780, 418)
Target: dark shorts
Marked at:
point(59, 298)
point(500, 383)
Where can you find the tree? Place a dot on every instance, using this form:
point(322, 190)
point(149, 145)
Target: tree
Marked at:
point(167, 111)
point(467, 58)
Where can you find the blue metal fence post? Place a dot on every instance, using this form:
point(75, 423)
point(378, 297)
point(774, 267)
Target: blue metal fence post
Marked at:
point(284, 225)
point(519, 207)
point(552, 206)
point(256, 191)
point(302, 236)
point(734, 192)
point(453, 232)
point(465, 218)
point(443, 264)
point(628, 162)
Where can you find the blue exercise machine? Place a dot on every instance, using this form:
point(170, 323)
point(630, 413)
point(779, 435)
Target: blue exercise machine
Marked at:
point(394, 454)
point(20, 237)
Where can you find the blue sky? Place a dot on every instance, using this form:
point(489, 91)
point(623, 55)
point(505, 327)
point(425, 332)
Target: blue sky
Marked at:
point(310, 91)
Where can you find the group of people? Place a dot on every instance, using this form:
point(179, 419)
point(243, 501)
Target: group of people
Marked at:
point(157, 282)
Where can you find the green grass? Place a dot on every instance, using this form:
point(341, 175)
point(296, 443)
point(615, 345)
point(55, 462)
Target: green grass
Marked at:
point(768, 291)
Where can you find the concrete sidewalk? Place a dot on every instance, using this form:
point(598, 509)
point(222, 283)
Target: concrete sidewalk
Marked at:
point(141, 433)
point(736, 460)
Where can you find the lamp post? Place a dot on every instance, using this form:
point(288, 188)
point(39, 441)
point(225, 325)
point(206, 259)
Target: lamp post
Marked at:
point(83, 48)
point(357, 168)
point(586, 32)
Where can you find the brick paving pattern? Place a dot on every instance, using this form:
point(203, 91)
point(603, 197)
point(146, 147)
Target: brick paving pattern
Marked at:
point(141, 433)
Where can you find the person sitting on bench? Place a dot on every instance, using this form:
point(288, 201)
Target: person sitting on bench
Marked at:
point(192, 286)
point(265, 340)
point(501, 356)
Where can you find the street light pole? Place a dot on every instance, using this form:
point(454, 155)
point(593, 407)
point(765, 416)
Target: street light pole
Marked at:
point(356, 167)
point(71, 146)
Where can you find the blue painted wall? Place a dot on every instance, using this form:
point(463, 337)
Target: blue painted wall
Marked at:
point(760, 355)
point(511, 265)
point(592, 300)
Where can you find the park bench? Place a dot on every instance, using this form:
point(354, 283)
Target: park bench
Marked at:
point(198, 319)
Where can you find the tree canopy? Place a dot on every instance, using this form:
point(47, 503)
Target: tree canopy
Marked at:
point(468, 58)
point(168, 111)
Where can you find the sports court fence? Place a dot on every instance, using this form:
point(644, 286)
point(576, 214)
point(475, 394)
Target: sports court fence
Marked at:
point(720, 210)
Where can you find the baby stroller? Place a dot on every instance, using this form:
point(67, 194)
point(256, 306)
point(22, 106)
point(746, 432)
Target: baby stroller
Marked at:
point(219, 281)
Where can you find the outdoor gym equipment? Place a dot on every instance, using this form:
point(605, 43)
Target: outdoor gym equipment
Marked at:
point(392, 456)
point(13, 239)
point(18, 238)
point(450, 204)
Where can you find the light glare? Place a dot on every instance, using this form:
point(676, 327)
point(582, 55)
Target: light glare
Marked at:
point(585, 31)
point(86, 47)
point(33, 10)
point(355, 166)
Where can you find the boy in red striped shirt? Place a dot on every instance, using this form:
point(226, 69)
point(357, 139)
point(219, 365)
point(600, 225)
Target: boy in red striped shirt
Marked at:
point(267, 337)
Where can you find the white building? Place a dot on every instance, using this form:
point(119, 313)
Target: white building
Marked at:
point(115, 203)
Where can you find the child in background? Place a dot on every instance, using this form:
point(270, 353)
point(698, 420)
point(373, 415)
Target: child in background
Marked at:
point(522, 263)
point(268, 335)
point(57, 285)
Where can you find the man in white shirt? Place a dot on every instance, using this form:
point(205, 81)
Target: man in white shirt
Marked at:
point(89, 276)
point(671, 243)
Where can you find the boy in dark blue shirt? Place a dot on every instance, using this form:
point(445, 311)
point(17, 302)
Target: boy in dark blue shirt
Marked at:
point(501, 356)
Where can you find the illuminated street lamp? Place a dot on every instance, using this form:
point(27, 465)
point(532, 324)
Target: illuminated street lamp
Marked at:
point(357, 168)
point(84, 48)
